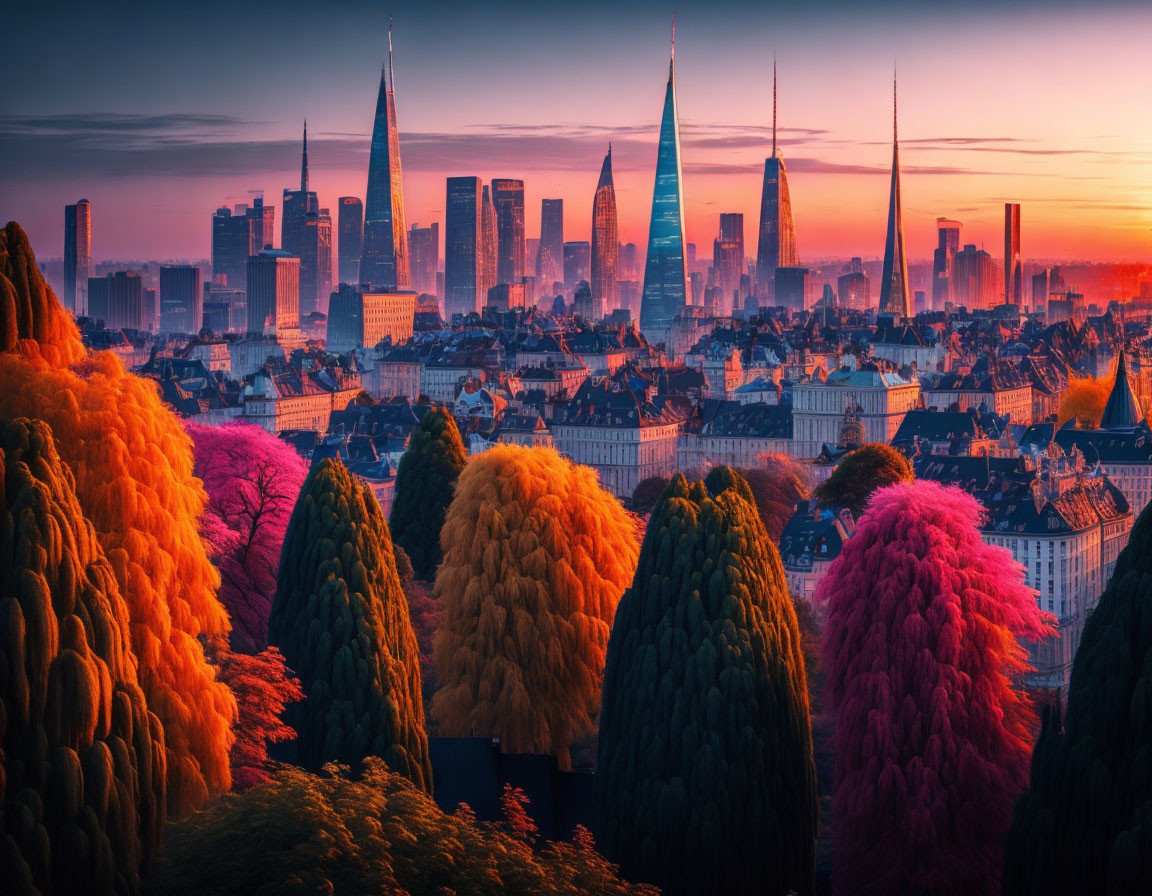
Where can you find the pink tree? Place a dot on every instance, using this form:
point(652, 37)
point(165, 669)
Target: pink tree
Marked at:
point(923, 672)
point(252, 479)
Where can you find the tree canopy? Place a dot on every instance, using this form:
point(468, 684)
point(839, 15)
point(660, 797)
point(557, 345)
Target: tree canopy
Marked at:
point(777, 488)
point(1084, 400)
point(923, 669)
point(536, 556)
point(341, 621)
point(860, 473)
point(425, 481)
point(705, 780)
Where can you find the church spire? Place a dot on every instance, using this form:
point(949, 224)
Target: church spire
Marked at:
point(304, 161)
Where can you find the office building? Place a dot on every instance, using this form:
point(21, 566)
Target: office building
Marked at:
point(462, 234)
point(974, 283)
point(306, 232)
point(508, 204)
point(776, 246)
point(486, 271)
point(577, 264)
point(792, 288)
point(550, 260)
point(349, 238)
point(1013, 265)
point(385, 262)
point(424, 257)
point(359, 319)
point(854, 291)
point(273, 295)
point(605, 262)
point(665, 275)
point(1040, 290)
point(895, 291)
point(943, 259)
point(118, 300)
point(728, 258)
point(181, 299)
point(78, 266)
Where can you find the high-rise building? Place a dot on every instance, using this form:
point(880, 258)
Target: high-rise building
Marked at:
point(550, 261)
point(118, 300)
point(273, 294)
point(508, 203)
point(349, 238)
point(235, 300)
point(424, 257)
point(486, 272)
point(629, 262)
point(854, 291)
point(1040, 290)
point(577, 263)
point(1013, 266)
point(776, 247)
point(77, 255)
point(363, 319)
point(385, 263)
point(943, 258)
point(974, 282)
point(462, 234)
point(605, 243)
point(895, 291)
point(728, 257)
point(792, 288)
point(665, 274)
point(238, 234)
point(316, 263)
point(181, 299)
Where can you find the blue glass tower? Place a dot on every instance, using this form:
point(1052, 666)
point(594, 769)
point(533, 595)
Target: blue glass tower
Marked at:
point(665, 277)
point(385, 260)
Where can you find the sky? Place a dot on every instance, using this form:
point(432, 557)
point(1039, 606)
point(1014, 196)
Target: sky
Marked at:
point(159, 113)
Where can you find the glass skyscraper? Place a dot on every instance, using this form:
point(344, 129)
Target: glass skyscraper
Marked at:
point(605, 242)
point(665, 277)
point(350, 238)
point(776, 245)
point(77, 255)
point(550, 258)
point(508, 201)
point(462, 235)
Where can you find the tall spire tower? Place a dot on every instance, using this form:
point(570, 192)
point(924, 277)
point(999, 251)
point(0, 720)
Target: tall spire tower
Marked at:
point(304, 161)
point(605, 241)
point(895, 298)
point(385, 261)
point(665, 276)
point(776, 246)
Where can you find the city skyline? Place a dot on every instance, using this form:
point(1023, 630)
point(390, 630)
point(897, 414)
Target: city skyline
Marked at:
point(156, 172)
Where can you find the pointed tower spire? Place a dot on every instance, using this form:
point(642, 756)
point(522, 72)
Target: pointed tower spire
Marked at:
point(391, 75)
point(895, 298)
point(1123, 407)
point(672, 59)
point(304, 161)
point(773, 106)
point(605, 261)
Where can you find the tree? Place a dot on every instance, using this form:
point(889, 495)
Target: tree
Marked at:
point(536, 556)
point(1084, 400)
point(860, 473)
point(303, 834)
point(132, 463)
point(1085, 823)
point(647, 493)
point(81, 757)
point(341, 621)
point(777, 488)
point(263, 686)
point(923, 668)
point(252, 479)
point(705, 780)
point(425, 481)
point(424, 611)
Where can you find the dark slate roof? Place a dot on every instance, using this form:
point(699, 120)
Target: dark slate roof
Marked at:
point(761, 421)
point(1123, 408)
point(813, 537)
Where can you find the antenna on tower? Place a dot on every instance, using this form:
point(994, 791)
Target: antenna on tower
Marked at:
point(773, 105)
point(893, 101)
point(391, 76)
point(672, 61)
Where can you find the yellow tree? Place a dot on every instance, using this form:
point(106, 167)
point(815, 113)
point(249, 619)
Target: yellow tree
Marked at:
point(536, 557)
point(1084, 399)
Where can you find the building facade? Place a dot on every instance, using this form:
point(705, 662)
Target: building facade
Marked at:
point(77, 256)
point(349, 238)
point(181, 299)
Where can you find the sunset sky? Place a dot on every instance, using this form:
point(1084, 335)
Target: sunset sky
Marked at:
point(160, 115)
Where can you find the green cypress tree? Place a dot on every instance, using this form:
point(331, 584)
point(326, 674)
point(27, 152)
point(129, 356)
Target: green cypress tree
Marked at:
point(706, 781)
point(425, 482)
point(341, 620)
point(1085, 823)
point(82, 760)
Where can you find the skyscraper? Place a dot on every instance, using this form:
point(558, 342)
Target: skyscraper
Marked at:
point(118, 300)
point(385, 263)
point(974, 281)
point(943, 260)
point(181, 299)
point(306, 232)
point(508, 202)
point(895, 295)
point(486, 270)
point(273, 294)
point(350, 238)
point(728, 257)
point(605, 242)
point(238, 234)
point(577, 263)
point(462, 232)
point(776, 247)
point(1013, 266)
point(77, 255)
point(424, 252)
point(665, 276)
point(550, 261)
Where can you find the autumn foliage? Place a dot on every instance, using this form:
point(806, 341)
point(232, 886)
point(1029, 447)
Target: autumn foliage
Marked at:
point(82, 792)
point(1084, 400)
point(536, 556)
point(341, 621)
point(303, 834)
point(860, 473)
point(1085, 823)
point(705, 779)
point(922, 665)
point(425, 480)
point(252, 479)
point(777, 487)
point(132, 464)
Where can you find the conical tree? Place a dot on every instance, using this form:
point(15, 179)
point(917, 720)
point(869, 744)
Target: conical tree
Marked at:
point(706, 781)
point(536, 556)
point(923, 666)
point(82, 784)
point(860, 473)
point(132, 463)
point(1085, 823)
point(425, 482)
point(341, 621)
